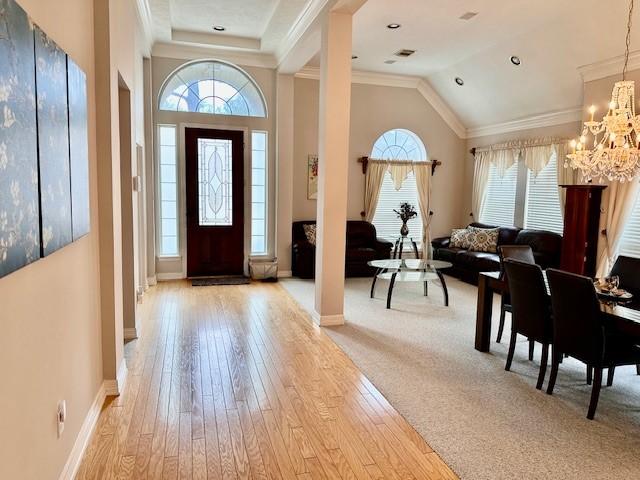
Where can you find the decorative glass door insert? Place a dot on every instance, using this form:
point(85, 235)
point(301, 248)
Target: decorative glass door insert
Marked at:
point(215, 175)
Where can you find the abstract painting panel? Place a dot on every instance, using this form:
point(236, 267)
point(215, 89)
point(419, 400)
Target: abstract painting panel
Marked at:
point(19, 207)
point(78, 149)
point(312, 177)
point(53, 143)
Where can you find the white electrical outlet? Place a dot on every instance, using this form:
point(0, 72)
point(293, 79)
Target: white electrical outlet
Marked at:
point(61, 416)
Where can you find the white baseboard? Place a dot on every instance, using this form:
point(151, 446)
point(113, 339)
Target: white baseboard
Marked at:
point(131, 333)
point(285, 274)
point(327, 320)
point(151, 281)
point(84, 436)
point(116, 387)
point(163, 277)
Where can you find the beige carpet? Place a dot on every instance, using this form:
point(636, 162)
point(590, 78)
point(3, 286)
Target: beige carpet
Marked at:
point(485, 423)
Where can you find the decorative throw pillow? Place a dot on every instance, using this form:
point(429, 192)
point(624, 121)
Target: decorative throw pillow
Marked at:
point(459, 238)
point(310, 232)
point(483, 239)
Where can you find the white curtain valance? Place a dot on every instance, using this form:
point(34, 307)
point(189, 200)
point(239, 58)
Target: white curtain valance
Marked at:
point(398, 169)
point(534, 152)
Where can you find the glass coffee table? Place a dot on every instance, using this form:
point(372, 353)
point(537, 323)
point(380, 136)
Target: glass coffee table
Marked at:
point(410, 270)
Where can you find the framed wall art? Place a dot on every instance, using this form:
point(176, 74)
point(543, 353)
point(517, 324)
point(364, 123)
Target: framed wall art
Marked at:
point(312, 177)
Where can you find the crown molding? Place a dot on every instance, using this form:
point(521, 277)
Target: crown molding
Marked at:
point(215, 40)
point(535, 121)
point(184, 52)
point(146, 22)
point(440, 106)
point(609, 67)
point(368, 78)
point(304, 21)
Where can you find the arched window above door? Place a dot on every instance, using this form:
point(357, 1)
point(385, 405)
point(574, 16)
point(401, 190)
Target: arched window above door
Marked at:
point(212, 87)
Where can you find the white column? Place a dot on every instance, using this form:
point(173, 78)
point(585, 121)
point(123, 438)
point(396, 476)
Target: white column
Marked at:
point(284, 171)
point(333, 150)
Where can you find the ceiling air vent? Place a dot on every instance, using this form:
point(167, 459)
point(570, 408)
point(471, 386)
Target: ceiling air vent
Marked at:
point(404, 53)
point(389, 62)
point(468, 15)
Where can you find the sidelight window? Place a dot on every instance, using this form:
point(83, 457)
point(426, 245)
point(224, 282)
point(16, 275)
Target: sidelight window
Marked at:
point(258, 193)
point(168, 227)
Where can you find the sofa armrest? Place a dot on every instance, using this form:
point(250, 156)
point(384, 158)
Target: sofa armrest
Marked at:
point(302, 246)
point(441, 242)
point(383, 247)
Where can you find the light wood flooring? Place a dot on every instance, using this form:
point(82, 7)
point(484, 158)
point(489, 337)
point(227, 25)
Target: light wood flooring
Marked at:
point(235, 382)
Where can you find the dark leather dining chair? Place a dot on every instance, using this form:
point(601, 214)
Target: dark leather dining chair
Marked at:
point(579, 330)
point(522, 253)
point(628, 270)
point(530, 310)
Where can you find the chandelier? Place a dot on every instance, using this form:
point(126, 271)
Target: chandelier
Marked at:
point(615, 154)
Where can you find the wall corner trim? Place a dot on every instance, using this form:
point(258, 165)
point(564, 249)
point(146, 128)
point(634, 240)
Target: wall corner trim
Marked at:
point(327, 320)
point(116, 387)
point(131, 333)
point(84, 436)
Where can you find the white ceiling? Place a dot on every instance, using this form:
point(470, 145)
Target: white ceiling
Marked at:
point(268, 21)
point(553, 38)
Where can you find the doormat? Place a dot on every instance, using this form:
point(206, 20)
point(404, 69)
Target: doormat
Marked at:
point(228, 280)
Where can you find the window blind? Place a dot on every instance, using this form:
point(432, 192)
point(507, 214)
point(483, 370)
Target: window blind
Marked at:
point(630, 242)
point(500, 201)
point(385, 219)
point(542, 201)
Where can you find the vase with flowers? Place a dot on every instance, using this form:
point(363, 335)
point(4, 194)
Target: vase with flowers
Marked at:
point(405, 213)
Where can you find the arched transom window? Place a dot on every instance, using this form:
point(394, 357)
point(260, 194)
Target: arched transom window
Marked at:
point(212, 87)
point(399, 145)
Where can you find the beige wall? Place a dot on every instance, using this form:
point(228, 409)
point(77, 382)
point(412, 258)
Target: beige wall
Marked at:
point(50, 346)
point(566, 130)
point(266, 80)
point(374, 110)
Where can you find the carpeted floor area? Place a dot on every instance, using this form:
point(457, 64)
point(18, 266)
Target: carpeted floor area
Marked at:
point(484, 422)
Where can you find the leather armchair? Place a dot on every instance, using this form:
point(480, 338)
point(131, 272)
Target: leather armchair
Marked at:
point(362, 246)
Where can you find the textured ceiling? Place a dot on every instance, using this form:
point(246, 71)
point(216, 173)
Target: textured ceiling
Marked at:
point(552, 37)
point(266, 20)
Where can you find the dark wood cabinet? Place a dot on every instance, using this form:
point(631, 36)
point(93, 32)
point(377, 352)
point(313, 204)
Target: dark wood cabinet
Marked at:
point(581, 228)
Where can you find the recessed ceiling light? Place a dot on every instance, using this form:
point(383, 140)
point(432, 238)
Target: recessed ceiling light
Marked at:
point(219, 28)
point(515, 60)
point(459, 81)
point(354, 57)
point(393, 26)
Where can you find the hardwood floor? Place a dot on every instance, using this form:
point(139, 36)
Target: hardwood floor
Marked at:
point(235, 382)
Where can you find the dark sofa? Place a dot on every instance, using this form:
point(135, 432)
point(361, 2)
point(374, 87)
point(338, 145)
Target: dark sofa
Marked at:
point(362, 246)
point(546, 248)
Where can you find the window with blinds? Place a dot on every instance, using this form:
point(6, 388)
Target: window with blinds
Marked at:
point(542, 209)
point(386, 220)
point(500, 201)
point(630, 242)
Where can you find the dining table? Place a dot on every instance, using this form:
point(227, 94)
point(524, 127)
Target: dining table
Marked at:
point(623, 316)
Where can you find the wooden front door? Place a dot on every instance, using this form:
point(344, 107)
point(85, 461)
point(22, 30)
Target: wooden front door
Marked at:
point(215, 202)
